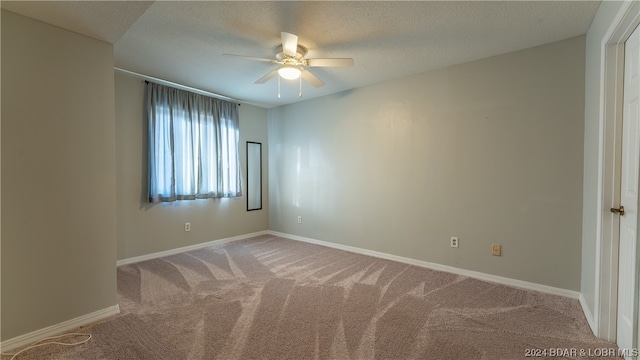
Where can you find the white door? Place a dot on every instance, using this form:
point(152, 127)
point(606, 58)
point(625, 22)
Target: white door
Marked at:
point(628, 259)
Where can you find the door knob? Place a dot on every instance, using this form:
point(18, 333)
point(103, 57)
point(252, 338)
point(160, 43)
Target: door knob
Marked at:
point(619, 211)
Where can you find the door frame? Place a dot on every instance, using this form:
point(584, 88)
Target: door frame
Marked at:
point(609, 169)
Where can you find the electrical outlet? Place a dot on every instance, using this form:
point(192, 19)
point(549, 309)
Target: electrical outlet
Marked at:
point(187, 226)
point(496, 250)
point(454, 241)
point(299, 219)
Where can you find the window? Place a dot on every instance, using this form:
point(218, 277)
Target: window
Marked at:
point(193, 146)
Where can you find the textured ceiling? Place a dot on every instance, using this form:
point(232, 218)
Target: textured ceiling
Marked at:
point(183, 42)
point(102, 20)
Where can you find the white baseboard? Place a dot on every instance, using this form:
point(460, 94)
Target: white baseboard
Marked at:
point(587, 314)
point(57, 329)
point(450, 269)
point(179, 250)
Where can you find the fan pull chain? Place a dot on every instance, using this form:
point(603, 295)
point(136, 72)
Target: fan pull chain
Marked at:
point(300, 91)
point(278, 87)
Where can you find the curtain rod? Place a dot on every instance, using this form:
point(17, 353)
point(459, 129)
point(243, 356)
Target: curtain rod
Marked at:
point(180, 86)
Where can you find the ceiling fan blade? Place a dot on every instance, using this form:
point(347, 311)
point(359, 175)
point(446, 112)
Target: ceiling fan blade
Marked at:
point(250, 57)
point(267, 77)
point(346, 62)
point(289, 43)
point(312, 79)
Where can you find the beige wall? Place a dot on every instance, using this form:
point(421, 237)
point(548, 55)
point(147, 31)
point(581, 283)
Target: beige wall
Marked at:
point(490, 151)
point(143, 229)
point(58, 176)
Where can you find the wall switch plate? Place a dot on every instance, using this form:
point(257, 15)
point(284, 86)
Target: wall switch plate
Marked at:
point(187, 226)
point(454, 241)
point(299, 219)
point(496, 249)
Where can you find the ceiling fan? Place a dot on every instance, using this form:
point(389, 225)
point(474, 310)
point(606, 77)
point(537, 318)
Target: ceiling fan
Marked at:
point(292, 64)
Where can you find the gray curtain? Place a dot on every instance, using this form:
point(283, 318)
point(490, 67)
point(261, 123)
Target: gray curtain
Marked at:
point(193, 145)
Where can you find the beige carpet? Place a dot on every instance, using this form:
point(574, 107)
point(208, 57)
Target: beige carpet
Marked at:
point(272, 298)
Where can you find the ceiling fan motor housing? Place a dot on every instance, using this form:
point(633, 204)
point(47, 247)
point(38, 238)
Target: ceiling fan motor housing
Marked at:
point(296, 60)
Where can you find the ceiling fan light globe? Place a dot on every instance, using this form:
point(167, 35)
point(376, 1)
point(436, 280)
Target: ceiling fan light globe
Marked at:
point(289, 72)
